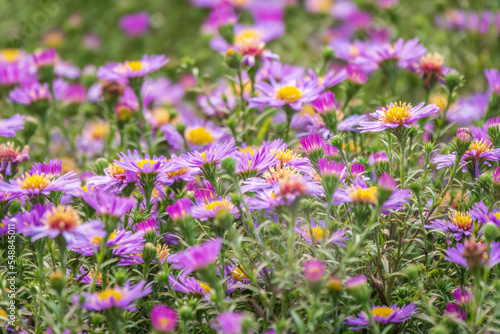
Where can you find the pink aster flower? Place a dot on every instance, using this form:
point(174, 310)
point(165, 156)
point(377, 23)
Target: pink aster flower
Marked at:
point(383, 315)
point(229, 323)
point(196, 257)
point(314, 270)
point(325, 103)
point(208, 205)
point(30, 93)
point(9, 126)
point(43, 58)
point(180, 209)
point(482, 214)
point(255, 162)
point(109, 204)
point(397, 114)
point(493, 78)
point(10, 157)
point(131, 69)
point(120, 297)
point(188, 285)
point(404, 53)
point(292, 93)
point(135, 24)
point(164, 318)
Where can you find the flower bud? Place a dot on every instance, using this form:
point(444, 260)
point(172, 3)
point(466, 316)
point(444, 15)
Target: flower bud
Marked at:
point(412, 272)
point(453, 80)
point(149, 252)
point(57, 281)
point(386, 186)
point(490, 232)
point(314, 270)
point(337, 141)
point(121, 277)
point(162, 277)
point(334, 285)
point(228, 164)
point(100, 165)
point(185, 312)
point(180, 128)
point(328, 52)
point(358, 288)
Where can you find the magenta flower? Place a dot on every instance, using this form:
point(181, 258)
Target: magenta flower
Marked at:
point(255, 162)
point(356, 282)
point(229, 323)
point(131, 69)
point(383, 315)
point(196, 257)
point(9, 126)
point(10, 157)
point(397, 114)
point(135, 24)
point(493, 78)
point(164, 318)
point(324, 103)
point(43, 58)
point(180, 209)
point(331, 168)
point(292, 93)
point(30, 93)
point(119, 297)
point(314, 270)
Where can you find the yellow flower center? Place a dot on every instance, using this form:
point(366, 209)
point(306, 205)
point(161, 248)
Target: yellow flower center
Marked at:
point(116, 171)
point(99, 131)
point(179, 172)
point(161, 116)
point(250, 150)
point(199, 136)
point(497, 214)
point(145, 162)
point(431, 62)
point(481, 146)
point(397, 113)
point(245, 35)
point(96, 240)
point(3, 314)
point(218, 204)
point(367, 195)
point(162, 251)
point(206, 288)
point(288, 94)
point(317, 233)
point(461, 220)
point(110, 293)
point(308, 110)
point(279, 172)
point(382, 311)
point(35, 181)
point(353, 51)
point(134, 65)
point(10, 55)
point(238, 274)
point(62, 218)
point(285, 155)
point(439, 100)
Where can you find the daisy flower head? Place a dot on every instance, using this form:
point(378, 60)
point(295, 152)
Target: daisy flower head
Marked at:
point(180, 209)
point(31, 93)
point(212, 155)
point(63, 220)
point(196, 257)
point(229, 323)
point(251, 164)
point(114, 178)
point(198, 135)
point(108, 203)
point(383, 315)
point(472, 254)
point(136, 24)
point(317, 232)
point(120, 241)
point(131, 69)
point(188, 285)
point(162, 252)
point(209, 205)
point(10, 157)
point(43, 58)
point(397, 114)
point(482, 214)
point(403, 53)
point(119, 297)
point(136, 168)
point(458, 224)
point(431, 68)
point(164, 318)
point(493, 77)
point(293, 93)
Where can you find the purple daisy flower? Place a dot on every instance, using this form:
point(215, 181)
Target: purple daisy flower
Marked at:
point(292, 93)
point(109, 204)
point(455, 311)
point(468, 109)
point(352, 123)
point(180, 209)
point(11, 156)
point(480, 212)
point(188, 285)
point(229, 323)
point(30, 93)
point(24, 221)
point(208, 206)
point(121, 242)
point(136, 24)
point(405, 53)
point(212, 155)
point(472, 252)
point(136, 167)
point(384, 315)
point(253, 163)
point(397, 114)
point(9, 126)
point(324, 103)
point(63, 220)
point(131, 69)
point(162, 252)
point(318, 232)
point(196, 257)
point(164, 318)
point(493, 78)
point(459, 225)
point(198, 135)
point(43, 58)
point(314, 270)
point(120, 297)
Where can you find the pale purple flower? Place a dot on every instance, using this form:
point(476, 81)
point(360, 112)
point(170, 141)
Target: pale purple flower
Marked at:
point(383, 315)
point(119, 297)
point(196, 257)
point(9, 126)
point(135, 24)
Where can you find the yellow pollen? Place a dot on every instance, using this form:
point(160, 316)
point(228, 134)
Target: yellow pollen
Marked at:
point(279, 172)
point(35, 181)
point(461, 220)
point(110, 293)
point(497, 215)
point(179, 172)
point(367, 195)
point(217, 204)
point(99, 131)
point(431, 61)
point(62, 218)
point(238, 274)
point(250, 150)
point(245, 35)
point(308, 110)
point(96, 240)
point(397, 113)
point(206, 288)
point(116, 171)
point(285, 155)
point(353, 51)
point(288, 94)
point(162, 251)
point(134, 65)
point(10, 55)
point(317, 232)
point(382, 311)
point(439, 100)
point(481, 146)
point(161, 116)
point(198, 136)
point(145, 162)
